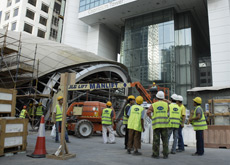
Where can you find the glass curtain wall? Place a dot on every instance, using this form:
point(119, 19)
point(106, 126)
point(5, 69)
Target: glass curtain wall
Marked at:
point(156, 47)
point(89, 4)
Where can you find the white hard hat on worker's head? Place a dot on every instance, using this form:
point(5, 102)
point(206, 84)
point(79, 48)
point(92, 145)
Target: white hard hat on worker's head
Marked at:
point(160, 95)
point(180, 98)
point(174, 97)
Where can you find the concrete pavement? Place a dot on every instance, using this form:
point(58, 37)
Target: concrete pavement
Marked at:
point(92, 151)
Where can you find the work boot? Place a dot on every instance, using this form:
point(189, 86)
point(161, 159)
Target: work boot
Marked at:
point(172, 152)
point(57, 141)
point(179, 150)
point(196, 154)
point(165, 157)
point(112, 143)
point(128, 151)
point(155, 157)
point(135, 153)
point(67, 141)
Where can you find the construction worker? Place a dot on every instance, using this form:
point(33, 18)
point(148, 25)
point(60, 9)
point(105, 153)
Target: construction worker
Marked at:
point(24, 113)
point(182, 121)
point(160, 122)
point(135, 126)
point(39, 110)
point(174, 121)
point(107, 120)
point(131, 101)
point(57, 119)
point(30, 109)
point(199, 125)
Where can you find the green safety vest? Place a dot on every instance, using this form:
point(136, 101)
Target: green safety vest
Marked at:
point(106, 116)
point(23, 114)
point(160, 115)
point(39, 111)
point(125, 118)
point(200, 124)
point(58, 113)
point(181, 118)
point(31, 111)
point(134, 121)
point(175, 115)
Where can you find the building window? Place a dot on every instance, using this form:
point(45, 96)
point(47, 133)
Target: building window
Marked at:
point(55, 21)
point(13, 26)
point(7, 16)
point(53, 33)
point(28, 28)
point(43, 21)
point(15, 12)
point(32, 2)
point(45, 8)
point(41, 33)
point(9, 2)
point(30, 14)
point(16, 1)
point(0, 16)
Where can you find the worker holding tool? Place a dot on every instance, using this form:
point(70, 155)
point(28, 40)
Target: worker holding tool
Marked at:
point(107, 120)
point(174, 121)
point(131, 101)
point(24, 113)
point(160, 122)
point(57, 119)
point(135, 126)
point(182, 121)
point(199, 125)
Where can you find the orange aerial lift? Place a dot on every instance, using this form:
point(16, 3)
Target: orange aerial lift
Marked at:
point(84, 118)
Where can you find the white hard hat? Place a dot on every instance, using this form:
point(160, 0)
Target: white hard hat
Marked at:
point(174, 97)
point(180, 98)
point(160, 95)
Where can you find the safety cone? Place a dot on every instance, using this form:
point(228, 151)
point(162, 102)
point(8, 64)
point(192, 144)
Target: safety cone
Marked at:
point(40, 149)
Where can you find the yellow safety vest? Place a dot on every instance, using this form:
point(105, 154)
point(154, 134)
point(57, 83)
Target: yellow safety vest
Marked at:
point(58, 113)
point(200, 124)
point(39, 111)
point(125, 118)
point(106, 116)
point(134, 121)
point(160, 115)
point(181, 108)
point(23, 114)
point(31, 111)
point(175, 115)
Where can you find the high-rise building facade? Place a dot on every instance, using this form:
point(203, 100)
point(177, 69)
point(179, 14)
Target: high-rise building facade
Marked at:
point(41, 18)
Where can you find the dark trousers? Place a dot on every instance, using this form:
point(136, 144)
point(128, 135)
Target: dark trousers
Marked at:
point(180, 139)
point(126, 135)
point(157, 134)
point(58, 127)
point(134, 140)
point(199, 142)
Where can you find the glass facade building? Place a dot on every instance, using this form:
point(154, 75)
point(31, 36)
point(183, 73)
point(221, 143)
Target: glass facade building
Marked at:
point(89, 4)
point(158, 47)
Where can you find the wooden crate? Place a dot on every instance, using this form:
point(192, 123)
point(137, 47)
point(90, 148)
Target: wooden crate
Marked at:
point(217, 136)
point(13, 135)
point(7, 102)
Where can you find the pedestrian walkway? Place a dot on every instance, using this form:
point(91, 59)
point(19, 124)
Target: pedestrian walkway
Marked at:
point(92, 151)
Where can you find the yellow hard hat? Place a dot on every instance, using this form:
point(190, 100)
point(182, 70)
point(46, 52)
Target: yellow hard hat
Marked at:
point(198, 100)
point(154, 83)
point(109, 103)
point(59, 98)
point(139, 100)
point(40, 104)
point(131, 97)
point(31, 104)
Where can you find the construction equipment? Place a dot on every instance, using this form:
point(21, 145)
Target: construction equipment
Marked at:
point(84, 118)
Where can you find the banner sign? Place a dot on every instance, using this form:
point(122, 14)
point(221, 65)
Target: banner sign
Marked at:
point(94, 86)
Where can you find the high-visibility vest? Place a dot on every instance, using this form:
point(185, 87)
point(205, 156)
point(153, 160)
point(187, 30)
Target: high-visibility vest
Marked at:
point(125, 118)
point(181, 118)
point(39, 111)
point(160, 115)
point(31, 111)
point(58, 113)
point(106, 116)
point(23, 114)
point(174, 116)
point(200, 124)
point(134, 121)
